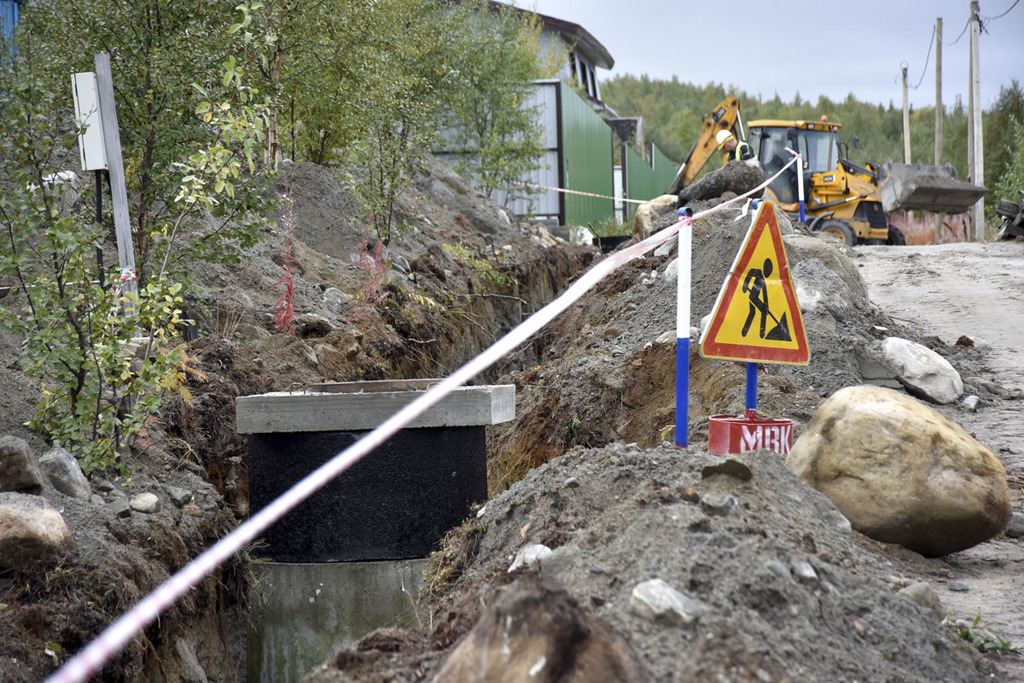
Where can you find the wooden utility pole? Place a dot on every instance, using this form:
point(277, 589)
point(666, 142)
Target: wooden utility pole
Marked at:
point(938, 91)
point(976, 152)
point(938, 113)
point(906, 119)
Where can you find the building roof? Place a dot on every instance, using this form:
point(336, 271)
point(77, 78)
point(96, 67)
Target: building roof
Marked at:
point(574, 34)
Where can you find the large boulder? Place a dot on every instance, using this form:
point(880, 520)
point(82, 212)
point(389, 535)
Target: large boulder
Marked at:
point(536, 633)
point(655, 215)
point(902, 472)
point(31, 532)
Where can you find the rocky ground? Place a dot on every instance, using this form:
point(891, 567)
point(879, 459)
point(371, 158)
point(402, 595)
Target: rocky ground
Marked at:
point(781, 589)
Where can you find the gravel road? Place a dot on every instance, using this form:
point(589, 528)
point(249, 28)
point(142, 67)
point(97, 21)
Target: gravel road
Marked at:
point(972, 289)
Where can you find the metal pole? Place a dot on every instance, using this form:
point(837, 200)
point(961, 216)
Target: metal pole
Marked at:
point(751, 391)
point(99, 221)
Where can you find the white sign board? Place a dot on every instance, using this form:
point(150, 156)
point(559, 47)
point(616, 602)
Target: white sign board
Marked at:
point(91, 146)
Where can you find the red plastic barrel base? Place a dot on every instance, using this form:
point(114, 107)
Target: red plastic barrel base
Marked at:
point(737, 434)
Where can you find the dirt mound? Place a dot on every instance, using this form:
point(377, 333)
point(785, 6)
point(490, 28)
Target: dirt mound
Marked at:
point(788, 593)
point(609, 362)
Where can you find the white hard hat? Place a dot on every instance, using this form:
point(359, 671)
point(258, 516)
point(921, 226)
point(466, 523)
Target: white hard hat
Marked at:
point(722, 136)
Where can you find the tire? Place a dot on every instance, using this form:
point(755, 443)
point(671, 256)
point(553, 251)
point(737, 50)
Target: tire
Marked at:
point(896, 238)
point(839, 229)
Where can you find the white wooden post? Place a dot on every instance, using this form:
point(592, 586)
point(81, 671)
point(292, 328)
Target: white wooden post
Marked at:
point(115, 165)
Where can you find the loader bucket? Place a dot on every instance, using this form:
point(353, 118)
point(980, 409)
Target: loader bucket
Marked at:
point(914, 187)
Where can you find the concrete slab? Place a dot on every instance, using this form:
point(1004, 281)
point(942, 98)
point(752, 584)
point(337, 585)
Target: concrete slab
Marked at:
point(347, 406)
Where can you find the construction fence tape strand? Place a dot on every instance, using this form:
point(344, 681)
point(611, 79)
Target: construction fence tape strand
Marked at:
point(116, 635)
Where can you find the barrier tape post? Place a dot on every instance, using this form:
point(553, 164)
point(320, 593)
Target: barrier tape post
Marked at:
point(685, 258)
point(94, 655)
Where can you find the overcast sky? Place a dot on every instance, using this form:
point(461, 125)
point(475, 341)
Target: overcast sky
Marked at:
point(808, 47)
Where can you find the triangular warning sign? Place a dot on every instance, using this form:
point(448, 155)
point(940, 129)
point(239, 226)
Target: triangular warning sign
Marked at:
point(757, 317)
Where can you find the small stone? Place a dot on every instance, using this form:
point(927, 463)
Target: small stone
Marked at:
point(179, 496)
point(65, 473)
point(146, 503)
point(19, 470)
point(959, 586)
point(923, 594)
point(804, 572)
point(1015, 527)
point(120, 507)
point(658, 601)
point(572, 483)
point(666, 248)
point(970, 403)
point(778, 568)
point(671, 273)
point(192, 510)
point(720, 505)
point(529, 556)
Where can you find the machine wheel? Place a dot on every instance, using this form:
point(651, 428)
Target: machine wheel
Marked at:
point(896, 238)
point(840, 229)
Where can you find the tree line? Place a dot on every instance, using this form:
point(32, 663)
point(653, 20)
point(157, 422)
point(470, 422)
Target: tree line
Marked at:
point(673, 111)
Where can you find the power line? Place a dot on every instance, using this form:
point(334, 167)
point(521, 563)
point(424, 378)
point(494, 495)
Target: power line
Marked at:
point(962, 32)
point(927, 59)
point(1000, 16)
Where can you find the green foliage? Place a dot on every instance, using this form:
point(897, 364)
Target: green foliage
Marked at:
point(488, 115)
point(79, 342)
point(1012, 178)
point(981, 635)
point(167, 59)
point(482, 268)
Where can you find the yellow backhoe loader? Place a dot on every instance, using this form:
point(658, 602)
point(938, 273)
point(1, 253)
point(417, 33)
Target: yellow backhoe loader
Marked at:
point(841, 197)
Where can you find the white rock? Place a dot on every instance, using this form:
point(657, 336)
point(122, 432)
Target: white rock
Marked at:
point(145, 502)
point(529, 556)
point(658, 601)
point(923, 371)
point(672, 271)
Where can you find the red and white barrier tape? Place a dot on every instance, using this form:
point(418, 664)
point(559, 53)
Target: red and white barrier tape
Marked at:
point(116, 635)
point(581, 193)
point(127, 275)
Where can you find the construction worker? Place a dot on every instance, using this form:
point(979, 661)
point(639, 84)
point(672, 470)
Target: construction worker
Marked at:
point(733, 150)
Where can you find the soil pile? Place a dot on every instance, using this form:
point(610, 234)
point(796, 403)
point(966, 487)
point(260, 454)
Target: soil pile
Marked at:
point(786, 590)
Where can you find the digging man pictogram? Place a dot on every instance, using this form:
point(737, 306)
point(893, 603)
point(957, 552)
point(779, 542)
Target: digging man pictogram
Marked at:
point(756, 287)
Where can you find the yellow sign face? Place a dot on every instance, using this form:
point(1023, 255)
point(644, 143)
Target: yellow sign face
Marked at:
point(756, 317)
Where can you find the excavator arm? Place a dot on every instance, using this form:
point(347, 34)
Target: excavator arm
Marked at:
point(725, 116)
